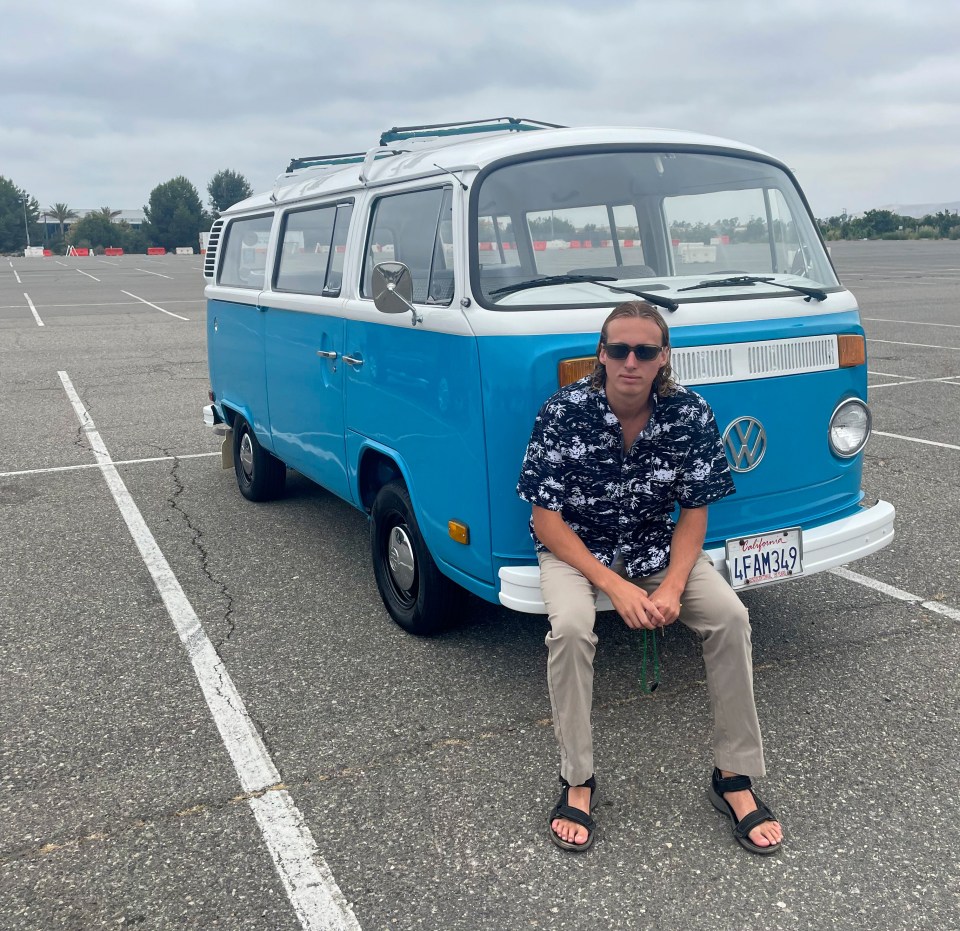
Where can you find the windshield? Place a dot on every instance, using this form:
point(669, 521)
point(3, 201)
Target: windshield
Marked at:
point(660, 222)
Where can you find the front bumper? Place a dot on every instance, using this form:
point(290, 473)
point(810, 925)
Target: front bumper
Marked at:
point(824, 547)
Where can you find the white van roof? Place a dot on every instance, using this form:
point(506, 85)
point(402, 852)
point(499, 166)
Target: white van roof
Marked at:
point(434, 155)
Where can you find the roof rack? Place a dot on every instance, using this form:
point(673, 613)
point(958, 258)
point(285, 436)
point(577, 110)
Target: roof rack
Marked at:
point(325, 161)
point(497, 124)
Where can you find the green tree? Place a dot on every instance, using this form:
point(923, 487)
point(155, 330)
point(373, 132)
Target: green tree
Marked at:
point(175, 214)
point(18, 213)
point(96, 230)
point(61, 213)
point(226, 188)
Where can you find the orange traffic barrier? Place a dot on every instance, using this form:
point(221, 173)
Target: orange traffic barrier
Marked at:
point(156, 250)
point(113, 250)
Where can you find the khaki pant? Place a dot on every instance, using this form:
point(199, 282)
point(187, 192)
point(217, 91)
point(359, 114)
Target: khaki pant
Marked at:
point(710, 608)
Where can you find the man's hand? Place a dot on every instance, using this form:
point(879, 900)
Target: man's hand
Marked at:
point(633, 605)
point(667, 600)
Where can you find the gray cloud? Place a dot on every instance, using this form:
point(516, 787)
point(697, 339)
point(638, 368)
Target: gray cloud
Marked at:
point(103, 103)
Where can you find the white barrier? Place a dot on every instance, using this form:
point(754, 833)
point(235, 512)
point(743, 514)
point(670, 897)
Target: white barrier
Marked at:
point(184, 250)
point(33, 252)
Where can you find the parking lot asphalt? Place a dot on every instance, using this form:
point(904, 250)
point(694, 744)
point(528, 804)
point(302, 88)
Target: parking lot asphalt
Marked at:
point(423, 769)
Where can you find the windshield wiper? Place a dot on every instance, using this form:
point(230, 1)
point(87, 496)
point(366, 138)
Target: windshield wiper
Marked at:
point(602, 280)
point(757, 279)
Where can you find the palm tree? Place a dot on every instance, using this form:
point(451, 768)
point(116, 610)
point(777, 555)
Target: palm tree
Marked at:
point(110, 214)
point(61, 213)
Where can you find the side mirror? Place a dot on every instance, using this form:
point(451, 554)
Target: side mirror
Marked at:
point(393, 289)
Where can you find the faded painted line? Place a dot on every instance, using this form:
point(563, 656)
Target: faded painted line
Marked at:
point(15, 274)
point(154, 306)
point(194, 300)
point(33, 310)
point(87, 274)
point(315, 896)
point(154, 273)
point(96, 465)
point(912, 381)
point(64, 264)
point(913, 439)
point(955, 326)
point(898, 593)
point(897, 342)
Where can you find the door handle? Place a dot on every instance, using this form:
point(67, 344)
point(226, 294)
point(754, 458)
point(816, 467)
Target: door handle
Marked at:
point(327, 353)
point(356, 361)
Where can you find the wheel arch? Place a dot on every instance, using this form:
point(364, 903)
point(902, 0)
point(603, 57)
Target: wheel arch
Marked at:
point(378, 467)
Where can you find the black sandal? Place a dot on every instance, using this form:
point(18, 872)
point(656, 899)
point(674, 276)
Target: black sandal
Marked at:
point(564, 810)
point(741, 829)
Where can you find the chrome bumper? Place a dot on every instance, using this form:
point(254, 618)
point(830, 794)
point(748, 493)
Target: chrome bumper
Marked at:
point(824, 547)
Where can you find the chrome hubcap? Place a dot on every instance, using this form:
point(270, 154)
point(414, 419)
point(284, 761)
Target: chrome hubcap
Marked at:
point(246, 455)
point(402, 561)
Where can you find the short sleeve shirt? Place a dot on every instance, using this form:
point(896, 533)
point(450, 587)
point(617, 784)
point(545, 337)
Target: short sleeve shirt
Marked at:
point(618, 501)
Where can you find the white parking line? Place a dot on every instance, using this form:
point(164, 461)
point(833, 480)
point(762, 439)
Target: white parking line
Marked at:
point(15, 275)
point(898, 593)
point(33, 310)
point(897, 342)
point(912, 381)
point(913, 439)
point(64, 264)
point(94, 465)
point(154, 273)
point(955, 326)
point(154, 306)
point(87, 274)
point(311, 888)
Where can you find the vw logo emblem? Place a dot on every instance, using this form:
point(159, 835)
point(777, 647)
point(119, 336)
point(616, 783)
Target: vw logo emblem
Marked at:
point(745, 441)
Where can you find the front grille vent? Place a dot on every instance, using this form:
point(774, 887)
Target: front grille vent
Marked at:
point(707, 365)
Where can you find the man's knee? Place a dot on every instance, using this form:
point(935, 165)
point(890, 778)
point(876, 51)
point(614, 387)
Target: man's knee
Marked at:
point(572, 625)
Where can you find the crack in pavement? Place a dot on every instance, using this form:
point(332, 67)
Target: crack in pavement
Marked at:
point(198, 544)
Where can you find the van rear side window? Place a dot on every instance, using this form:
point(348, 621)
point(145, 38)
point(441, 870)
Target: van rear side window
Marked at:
point(312, 250)
point(245, 253)
point(415, 228)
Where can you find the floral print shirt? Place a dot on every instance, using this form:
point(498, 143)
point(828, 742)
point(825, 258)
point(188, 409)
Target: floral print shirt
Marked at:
point(618, 501)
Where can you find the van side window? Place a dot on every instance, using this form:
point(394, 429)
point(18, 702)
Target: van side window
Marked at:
point(311, 250)
point(245, 253)
point(415, 228)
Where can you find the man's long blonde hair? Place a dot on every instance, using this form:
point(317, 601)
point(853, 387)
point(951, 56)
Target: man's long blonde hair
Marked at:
point(664, 384)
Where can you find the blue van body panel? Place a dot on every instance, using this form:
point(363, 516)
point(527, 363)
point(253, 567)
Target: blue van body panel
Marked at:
point(237, 373)
point(800, 482)
point(306, 395)
point(417, 399)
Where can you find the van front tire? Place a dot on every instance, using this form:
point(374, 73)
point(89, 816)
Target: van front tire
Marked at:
point(418, 596)
point(260, 475)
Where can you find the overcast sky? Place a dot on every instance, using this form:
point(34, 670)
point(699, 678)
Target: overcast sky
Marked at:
point(100, 102)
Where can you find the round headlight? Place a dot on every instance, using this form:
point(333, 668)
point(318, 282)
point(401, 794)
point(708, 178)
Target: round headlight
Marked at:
point(849, 428)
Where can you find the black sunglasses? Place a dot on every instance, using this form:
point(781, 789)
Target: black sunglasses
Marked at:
point(644, 351)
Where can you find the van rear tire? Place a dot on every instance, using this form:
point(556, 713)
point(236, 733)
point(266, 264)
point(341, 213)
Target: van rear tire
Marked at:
point(260, 475)
point(417, 595)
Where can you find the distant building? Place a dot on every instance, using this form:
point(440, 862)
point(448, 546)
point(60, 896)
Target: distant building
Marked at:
point(135, 218)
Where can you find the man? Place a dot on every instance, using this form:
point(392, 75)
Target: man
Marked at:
point(609, 458)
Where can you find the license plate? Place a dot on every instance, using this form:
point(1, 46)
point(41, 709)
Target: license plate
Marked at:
point(766, 557)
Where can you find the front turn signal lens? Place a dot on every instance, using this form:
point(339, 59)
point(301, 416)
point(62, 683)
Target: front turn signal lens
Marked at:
point(852, 349)
point(571, 370)
point(458, 531)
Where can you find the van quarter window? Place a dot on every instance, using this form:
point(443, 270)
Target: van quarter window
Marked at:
point(415, 228)
point(245, 253)
point(312, 246)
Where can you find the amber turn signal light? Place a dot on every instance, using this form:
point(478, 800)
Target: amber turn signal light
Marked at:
point(853, 350)
point(458, 531)
point(570, 370)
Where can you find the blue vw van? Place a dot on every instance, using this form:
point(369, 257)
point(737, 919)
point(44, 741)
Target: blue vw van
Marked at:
point(388, 323)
